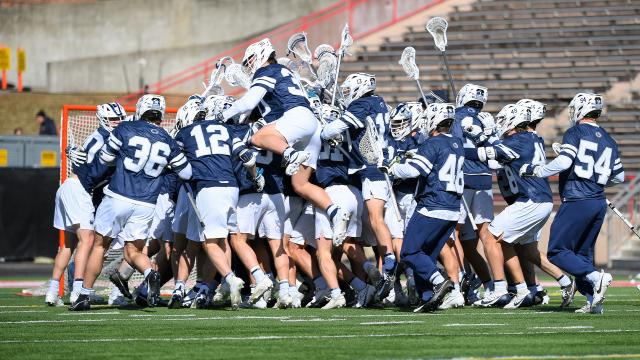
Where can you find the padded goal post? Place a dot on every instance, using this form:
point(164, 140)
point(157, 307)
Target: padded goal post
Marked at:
point(77, 123)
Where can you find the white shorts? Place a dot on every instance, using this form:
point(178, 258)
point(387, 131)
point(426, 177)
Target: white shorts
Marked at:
point(299, 221)
point(521, 222)
point(376, 189)
point(300, 127)
point(180, 221)
point(73, 207)
point(127, 221)
point(261, 211)
point(348, 198)
point(217, 206)
point(481, 205)
point(162, 218)
point(406, 205)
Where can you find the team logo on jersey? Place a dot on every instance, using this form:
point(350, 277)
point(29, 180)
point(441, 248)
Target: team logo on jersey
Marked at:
point(154, 131)
point(598, 135)
point(455, 145)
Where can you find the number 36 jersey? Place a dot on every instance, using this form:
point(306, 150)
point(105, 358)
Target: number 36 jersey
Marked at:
point(595, 160)
point(441, 183)
point(530, 147)
point(142, 151)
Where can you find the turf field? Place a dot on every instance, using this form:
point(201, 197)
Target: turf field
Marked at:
point(29, 330)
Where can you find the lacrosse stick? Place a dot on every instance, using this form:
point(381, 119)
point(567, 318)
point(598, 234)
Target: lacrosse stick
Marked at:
point(193, 203)
point(235, 76)
point(346, 41)
point(408, 63)
point(437, 27)
point(327, 62)
point(556, 149)
point(371, 151)
point(298, 46)
point(216, 77)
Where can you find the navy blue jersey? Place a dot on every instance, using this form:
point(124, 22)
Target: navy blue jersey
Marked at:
point(245, 180)
point(440, 185)
point(530, 148)
point(142, 151)
point(401, 147)
point(477, 174)
point(360, 111)
point(272, 170)
point(208, 146)
point(170, 184)
point(595, 159)
point(92, 172)
point(333, 166)
point(284, 91)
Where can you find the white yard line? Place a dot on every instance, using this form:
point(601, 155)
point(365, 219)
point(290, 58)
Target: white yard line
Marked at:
point(392, 322)
point(561, 327)
point(314, 320)
point(299, 337)
point(23, 311)
point(90, 313)
point(471, 325)
point(590, 356)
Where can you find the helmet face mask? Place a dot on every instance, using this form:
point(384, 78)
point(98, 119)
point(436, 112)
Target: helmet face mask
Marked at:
point(150, 107)
point(356, 86)
point(472, 93)
point(400, 122)
point(584, 104)
point(110, 115)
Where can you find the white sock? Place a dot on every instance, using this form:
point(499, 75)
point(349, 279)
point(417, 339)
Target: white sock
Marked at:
point(127, 272)
point(115, 293)
point(539, 288)
point(54, 285)
point(436, 278)
point(320, 283)
point(257, 273)
point(461, 274)
point(456, 287)
point(357, 284)
point(564, 281)
point(293, 290)
point(593, 277)
point(147, 272)
point(521, 288)
point(179, 285)
point(229, 276)
point(85, 291)
point(77, 285)
point(335, 293)
point(500, 286)
point(283, 287)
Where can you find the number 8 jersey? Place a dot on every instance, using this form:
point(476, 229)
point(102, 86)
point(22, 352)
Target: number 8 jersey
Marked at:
point(595, 160)
point(141, 152)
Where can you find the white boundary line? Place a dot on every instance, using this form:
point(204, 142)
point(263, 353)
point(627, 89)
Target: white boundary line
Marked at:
point(392, 322)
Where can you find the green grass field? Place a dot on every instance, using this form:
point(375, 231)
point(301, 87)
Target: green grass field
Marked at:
point(29, 330)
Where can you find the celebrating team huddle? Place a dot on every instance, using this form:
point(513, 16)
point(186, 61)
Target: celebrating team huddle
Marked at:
point(290, 179)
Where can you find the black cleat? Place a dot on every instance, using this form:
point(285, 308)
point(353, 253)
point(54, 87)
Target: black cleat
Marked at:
point(153, 285)
point(384, 286)
point(81, 304)
point(439, 292)
point(176, 300)
point(121, 284)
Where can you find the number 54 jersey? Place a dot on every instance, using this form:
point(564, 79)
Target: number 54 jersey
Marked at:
point(142, 151)
point(595, 160)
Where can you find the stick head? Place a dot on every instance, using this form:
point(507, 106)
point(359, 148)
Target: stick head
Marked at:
point(408, 63)
point(297, 45)
point(346, 40)
point(369, 147)
point(437, 27)
point(327, 63)
point(235, 76)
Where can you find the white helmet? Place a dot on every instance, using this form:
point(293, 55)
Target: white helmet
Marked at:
point(538, 109)
point(511, 116)
point(356, 85)
point(437, 113)
point(150, 107)
point(110, 115)
point(471, 92)
point(583, 104)
point(405, 118)
point(191, 111)
point(330, 113)
point(257, 54)
point(215, 104)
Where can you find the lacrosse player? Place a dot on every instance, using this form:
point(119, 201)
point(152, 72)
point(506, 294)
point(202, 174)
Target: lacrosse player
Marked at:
point(363, 106)
point(588, 162)
point(139, 150)
point(292, 130)
point(438, 197)
point(74, 211)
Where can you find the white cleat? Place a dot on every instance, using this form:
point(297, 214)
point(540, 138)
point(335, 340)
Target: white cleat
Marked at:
point(339, 302)
point(517, 300)
point(296, 300)
point(319, 298)
point(339, 223)
point(600, 288)
point(261, 288)
point(118, 301)
point(295, 160)
point(52, 299)
point(221, 296)
point(235, 285)
point(584, 309)
point(588, 308)
point(597, 309)
point(284, 301)
point(74, 296)
point(568, 293)
point(453, 299)
point(491, 298)
point(364, 296)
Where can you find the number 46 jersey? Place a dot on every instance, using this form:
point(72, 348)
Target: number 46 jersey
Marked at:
point(595, 160)
point(141, 151)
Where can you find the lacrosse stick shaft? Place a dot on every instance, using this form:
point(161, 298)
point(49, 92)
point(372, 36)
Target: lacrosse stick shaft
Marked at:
point(193, 203)
point(469, 215)
point(446, 66)
point(335, 82)
point(394, 201)
point(424, 98)
point(623, 218)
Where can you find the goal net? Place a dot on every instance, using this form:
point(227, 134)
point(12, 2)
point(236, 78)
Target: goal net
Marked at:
point(77, 123)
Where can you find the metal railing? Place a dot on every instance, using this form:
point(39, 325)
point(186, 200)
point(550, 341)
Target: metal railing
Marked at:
point(627, 201)
point(323, 27)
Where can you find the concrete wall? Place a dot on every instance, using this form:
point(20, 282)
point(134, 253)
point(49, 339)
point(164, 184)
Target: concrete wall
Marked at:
point(103, 35)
